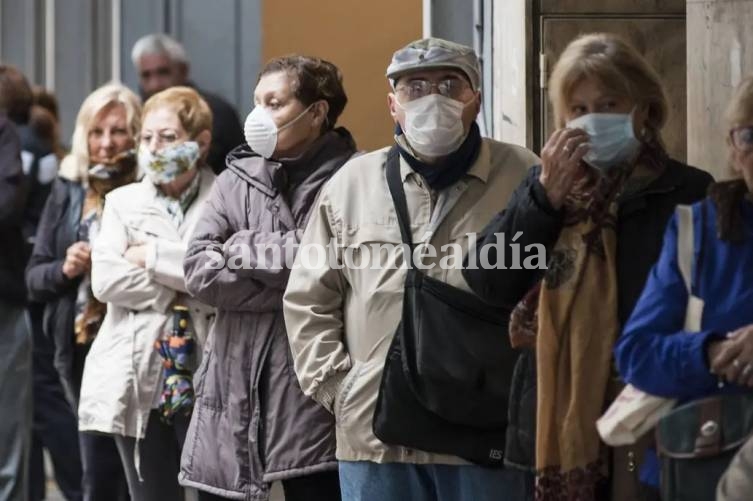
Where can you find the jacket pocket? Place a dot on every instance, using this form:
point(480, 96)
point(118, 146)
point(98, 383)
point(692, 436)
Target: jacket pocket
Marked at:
point(201, 371)
point(346, 389)
point(458, 231)
point(372, 256)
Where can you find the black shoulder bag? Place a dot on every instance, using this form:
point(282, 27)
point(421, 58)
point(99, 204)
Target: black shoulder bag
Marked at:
point(446, 381)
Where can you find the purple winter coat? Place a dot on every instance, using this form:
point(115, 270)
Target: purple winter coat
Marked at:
point(252, 424)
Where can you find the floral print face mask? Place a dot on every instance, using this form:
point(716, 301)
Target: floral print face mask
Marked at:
point(165, 165)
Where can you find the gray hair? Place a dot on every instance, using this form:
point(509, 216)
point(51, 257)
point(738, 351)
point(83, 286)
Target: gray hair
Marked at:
point(158, 43)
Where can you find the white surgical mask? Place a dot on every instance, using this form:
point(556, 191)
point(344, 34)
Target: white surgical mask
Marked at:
point(612, 138)
point(261, 131)
point(434, 125)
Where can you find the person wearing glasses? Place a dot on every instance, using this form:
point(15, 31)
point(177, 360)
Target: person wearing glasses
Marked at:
point(341, 315)
point(137, 272)
point(655, 354)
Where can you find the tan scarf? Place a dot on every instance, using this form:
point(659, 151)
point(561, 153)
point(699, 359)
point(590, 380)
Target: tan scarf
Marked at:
point(577, 328)
point(571, 319)
point(573, 314)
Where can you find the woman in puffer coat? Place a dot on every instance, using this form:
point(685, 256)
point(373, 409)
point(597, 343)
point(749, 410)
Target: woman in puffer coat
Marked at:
point(252, 425)
point(137, 269)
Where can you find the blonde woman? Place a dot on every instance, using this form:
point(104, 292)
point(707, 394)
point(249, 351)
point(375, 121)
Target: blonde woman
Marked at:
point(599, 203)
point(654, 353)
point(58, 273)
point(137, 270)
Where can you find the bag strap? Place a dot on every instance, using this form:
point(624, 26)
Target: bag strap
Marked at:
point(395, 184)
point(687, 255)
point(685, 244)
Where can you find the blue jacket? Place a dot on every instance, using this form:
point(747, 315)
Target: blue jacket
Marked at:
point(654, 353)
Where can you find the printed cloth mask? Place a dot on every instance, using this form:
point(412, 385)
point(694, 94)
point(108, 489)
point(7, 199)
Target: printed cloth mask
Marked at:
point(170, 162)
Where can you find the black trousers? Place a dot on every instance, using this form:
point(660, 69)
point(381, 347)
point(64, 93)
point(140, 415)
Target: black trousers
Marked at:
point(317, 487)
point(104, 477)
point(159, 453)
point(54, 425)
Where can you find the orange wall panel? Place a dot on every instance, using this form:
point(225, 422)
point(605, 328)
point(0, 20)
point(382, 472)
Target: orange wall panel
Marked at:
point(359, 36)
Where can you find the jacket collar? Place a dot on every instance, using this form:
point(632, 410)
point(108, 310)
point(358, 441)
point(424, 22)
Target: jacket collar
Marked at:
point(669, 181)
point(206, 180)
point(269, 176)
point(480, 168)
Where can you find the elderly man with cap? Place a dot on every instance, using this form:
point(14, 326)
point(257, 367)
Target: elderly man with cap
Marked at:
point(342, 314)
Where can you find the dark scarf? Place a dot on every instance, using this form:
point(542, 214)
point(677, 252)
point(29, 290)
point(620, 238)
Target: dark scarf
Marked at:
point(293, 171)
point(106, 175)
point(103, 177)
point(451, 168)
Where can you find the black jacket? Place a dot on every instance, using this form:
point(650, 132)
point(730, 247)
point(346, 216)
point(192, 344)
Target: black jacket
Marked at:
point(13, 194)
point(227, 132)
point(58, 230)
point(39, 185)
point(642, 220)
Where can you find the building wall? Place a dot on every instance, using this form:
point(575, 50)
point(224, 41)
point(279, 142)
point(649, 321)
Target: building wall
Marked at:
point(359, 36)
point(720, 55)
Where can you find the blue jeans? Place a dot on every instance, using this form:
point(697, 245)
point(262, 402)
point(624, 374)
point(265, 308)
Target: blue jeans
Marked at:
point(366, 481)
point(15, 402)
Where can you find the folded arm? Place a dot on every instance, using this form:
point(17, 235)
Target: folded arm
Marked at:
point(115, 279)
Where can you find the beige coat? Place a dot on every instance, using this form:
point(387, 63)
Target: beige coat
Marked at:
point(123, 372)
point(341, 321)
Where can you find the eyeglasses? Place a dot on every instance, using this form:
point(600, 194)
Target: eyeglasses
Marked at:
point(742, 138)
point(163, 138)
point(416, 89)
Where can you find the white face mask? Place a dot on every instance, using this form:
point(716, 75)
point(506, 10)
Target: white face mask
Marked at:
point(434, 125)
point(261, 131)
point(612, 138)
